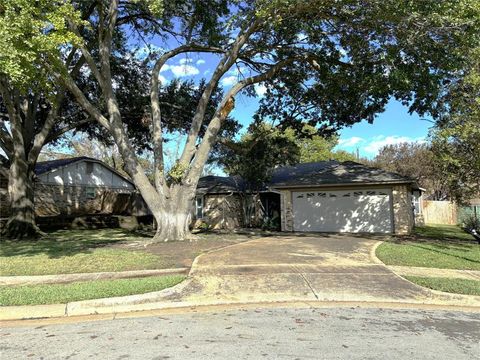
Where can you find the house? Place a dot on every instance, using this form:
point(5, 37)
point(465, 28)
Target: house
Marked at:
point(81, 186)
point(326, 196)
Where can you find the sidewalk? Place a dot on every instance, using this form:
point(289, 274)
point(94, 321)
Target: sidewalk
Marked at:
point(69, 278)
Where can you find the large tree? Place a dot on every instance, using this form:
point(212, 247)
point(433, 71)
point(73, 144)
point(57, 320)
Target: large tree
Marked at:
point(456, 136)
point(332, 63)
point(33, 110)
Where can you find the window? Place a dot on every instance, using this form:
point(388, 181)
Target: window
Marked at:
point(322, 194)
point(89, 167)
point(199, 207)
point(91, 192)
point(357, 193)
point(417, 209)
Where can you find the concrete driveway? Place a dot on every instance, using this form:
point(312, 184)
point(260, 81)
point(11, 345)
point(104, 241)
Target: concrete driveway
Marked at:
point(301, 267)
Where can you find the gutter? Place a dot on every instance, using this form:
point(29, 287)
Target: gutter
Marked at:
point(300, 186)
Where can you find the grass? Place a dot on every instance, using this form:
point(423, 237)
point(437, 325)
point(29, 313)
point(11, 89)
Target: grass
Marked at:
point(443, 232)
point(439, 246)
point(63, 293)
point(75, 251)
point(457, 286)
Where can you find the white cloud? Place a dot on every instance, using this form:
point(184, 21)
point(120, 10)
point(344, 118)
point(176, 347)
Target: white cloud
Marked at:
point(200, 62)
point(380, 141)
point(144, 51)
point(260, 89)
point(162, 79)
point(165, 67)
point(185, 61)
point(350, 142)
point(181, 70)
point(229, 80)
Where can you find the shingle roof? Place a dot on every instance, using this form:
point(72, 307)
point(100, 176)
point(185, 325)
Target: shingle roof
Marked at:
point(309, 174)
point(331, 173)
point(220, 184)
point(45, 166)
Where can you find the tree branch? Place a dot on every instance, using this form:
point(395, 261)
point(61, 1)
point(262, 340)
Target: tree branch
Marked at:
point(226, 106)
point(156, 113)
point(224, 65)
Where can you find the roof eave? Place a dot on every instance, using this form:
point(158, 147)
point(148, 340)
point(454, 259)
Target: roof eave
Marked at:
point(298, 186)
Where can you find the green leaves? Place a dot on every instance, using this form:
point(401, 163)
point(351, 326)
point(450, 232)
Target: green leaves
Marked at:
point(32, 32)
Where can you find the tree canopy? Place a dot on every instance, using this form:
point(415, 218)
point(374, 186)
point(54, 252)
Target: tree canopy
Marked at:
point(456, 136)
point(328, 63)
point(263, 148)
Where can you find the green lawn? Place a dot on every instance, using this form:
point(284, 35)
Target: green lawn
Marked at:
point(457, 286)
point(439, 246)
point(63, 293)
point(75, 251)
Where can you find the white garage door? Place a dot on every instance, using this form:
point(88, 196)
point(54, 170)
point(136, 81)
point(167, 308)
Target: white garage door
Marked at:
point(367, 211)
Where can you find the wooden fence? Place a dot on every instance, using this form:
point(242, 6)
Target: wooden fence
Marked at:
point(440, 212)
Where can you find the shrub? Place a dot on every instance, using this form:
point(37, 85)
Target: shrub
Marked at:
point(471, 222)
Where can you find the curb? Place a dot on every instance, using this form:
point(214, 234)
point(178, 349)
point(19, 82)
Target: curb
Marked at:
point(85, 309)
point(69, 278)
point(95, 306)
point(373, 255)
point(375, 259)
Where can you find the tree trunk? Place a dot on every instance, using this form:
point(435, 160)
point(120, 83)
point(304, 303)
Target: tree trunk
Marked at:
point(21, 223)
point(174, 219)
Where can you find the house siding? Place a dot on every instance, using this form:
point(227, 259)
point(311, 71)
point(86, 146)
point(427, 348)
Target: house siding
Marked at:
point(77, 174)
point(222, 211)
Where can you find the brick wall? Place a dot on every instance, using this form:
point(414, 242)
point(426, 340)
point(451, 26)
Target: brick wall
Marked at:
point(54, 200)
point(286, 210)
point(222, 211)
point(402, 210)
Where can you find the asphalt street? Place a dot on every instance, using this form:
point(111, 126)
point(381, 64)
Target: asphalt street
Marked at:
point(255, 333)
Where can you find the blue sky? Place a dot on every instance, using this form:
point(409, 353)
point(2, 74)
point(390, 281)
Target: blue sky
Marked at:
point(395, 125)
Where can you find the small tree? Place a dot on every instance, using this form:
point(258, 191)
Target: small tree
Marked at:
point(416, 161)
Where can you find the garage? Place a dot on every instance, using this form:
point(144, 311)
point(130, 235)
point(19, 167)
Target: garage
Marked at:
point(352, 211)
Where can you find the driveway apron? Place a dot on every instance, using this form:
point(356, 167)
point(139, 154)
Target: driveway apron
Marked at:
point(302, 267)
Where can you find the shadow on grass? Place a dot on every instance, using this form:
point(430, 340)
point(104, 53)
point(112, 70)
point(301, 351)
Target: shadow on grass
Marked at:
point(62, 243)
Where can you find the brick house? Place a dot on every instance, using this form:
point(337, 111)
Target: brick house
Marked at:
point(327, 196)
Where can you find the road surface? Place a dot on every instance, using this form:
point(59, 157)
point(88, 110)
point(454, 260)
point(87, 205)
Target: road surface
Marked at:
point(255, 333)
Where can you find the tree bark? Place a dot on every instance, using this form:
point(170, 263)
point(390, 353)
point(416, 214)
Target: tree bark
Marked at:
point(174, 217)
point(21, 223)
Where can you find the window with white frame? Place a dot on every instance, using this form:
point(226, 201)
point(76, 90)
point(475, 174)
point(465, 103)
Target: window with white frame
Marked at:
point(416, 195)
point(199, 207)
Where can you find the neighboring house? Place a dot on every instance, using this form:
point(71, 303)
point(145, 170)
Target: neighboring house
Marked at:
point(83, 186)
point(326, 196)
